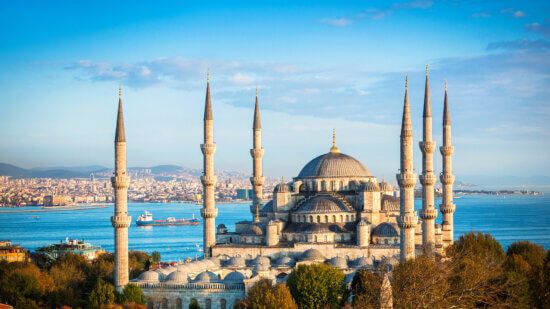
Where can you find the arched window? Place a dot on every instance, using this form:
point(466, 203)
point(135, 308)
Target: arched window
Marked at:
point(341, 218)
point(311, 219)
point(326, 238)
point(347, 218)
point(318, 219)
point(223, 303)
point(208, 303)
point(342, 238)
point(326, 218)
point(315, 239)
point(179, 303)
point(386, 241)
point(334, 218)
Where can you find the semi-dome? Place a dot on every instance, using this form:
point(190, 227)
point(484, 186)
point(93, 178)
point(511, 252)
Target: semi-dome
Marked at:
point(206, 277)
point(178, 277)
point(234, 277)
point(260, 259)
point(338, 262)
point(254, 229)
point(362, 262)
point(334, 164)
point(323, 203)
point(149, 276)
point(313, 255)
point(385, 230)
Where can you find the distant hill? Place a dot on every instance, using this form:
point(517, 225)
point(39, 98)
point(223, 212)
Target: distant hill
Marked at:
point(44, 172)
point(80, 169)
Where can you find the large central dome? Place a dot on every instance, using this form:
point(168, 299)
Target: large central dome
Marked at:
point(334, 164)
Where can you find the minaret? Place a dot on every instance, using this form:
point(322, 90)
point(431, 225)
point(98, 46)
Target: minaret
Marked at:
point(447, 178)
point(427, 179)
point(120, 219)
point(257, 152)
point(209, 212)
point(407, 219)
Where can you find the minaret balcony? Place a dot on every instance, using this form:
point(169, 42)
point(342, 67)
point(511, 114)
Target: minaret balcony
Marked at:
point(207, 213)
point(447, 150)
point(427, 146)
point(447, 179)
point(257, 152)
point(428, 214)
point(208, 181)
point(208, 149)
point(447, 208)
point(408, 220)
point(121, 221)
point(428, 179)
point(406, 180)
point(257, 180)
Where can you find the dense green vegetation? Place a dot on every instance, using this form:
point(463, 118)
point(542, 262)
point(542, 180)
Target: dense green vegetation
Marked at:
point(263, 295)
point(70, 281)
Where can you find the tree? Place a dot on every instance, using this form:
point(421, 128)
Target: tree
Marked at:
point(365, 289)
point(102, 294)
point(70, 276)
point(132, 294)
point(316, 286)
point(263, 295)
point(155, 257)
point(420, 283)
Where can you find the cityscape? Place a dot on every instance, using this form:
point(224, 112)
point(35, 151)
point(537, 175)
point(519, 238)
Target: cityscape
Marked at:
point(275, 154)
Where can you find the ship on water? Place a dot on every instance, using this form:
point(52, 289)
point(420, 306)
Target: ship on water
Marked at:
point(146, 219)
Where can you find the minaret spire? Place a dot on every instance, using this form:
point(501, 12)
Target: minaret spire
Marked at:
point(208, 179)
point(120, 220)
point(407, 179)
point(447, 178)
point(257, 152)
point(427, 179)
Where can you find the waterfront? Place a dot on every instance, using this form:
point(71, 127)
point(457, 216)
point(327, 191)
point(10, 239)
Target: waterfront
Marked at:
point(508, 218)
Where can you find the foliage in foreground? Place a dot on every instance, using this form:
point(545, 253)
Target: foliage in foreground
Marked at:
point(317, 286)
point(263, 295)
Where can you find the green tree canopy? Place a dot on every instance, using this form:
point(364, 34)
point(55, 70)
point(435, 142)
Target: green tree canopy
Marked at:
point(102, 294)
point(317, 286)
point(132, 294)
point(365, 289)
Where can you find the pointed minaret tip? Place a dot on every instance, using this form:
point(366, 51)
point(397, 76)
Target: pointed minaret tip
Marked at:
point(427, 69)
point(208, 115)
point(334, 148)
point(120, 134)
point(446, 112)
point(257, 121)
point(427, 103)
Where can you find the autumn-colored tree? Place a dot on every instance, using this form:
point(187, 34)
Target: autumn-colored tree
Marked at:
point(263, 295)
point(132, 294)
point(317, 286)
point(23, 285)
point(102, 294)
point(70, 276)
point(365, 289)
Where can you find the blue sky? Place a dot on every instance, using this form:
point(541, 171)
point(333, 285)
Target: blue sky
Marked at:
point(318, 64)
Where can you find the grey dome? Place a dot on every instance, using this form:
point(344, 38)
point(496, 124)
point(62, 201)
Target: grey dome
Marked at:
point(234, 277)
point(385, 230)
point(236, 262)
point(339, 262)
point(149, 276)
point(254, 229)
point(370, 187)
point(264, 260)
point(323, 203)
point(206, 277)
point(260, 267)
point(281, 187)
point(284, 261)
point(313, 255)
point(177, 276)
point(384, 186)
point(334, 164)
point(362, 262)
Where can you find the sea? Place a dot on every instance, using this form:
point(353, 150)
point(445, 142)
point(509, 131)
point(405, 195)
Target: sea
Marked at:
point(508, 218)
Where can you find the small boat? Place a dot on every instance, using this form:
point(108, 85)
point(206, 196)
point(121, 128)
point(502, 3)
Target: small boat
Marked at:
point(146, 219)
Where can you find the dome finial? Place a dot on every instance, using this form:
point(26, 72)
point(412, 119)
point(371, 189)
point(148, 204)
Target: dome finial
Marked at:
point(334, 148)
point(120, 90)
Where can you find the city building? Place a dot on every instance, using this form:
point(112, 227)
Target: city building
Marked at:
point(12, 253)
point(334, 211)
point(73, 246)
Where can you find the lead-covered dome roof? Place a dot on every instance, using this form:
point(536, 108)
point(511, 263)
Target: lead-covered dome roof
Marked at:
point(385, 230)
point(334, 164)
point(323, 203)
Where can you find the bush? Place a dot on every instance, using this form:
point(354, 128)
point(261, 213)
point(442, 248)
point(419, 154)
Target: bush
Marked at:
point(263, 295)
point(132, 294)
point(317, 286)
point(102, 294)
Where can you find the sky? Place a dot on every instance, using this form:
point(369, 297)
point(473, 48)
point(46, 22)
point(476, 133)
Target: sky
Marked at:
point(319, 65)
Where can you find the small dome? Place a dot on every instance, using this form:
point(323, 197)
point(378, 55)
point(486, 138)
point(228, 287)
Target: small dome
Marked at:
point(260, 267)
point(284, 261)
point(254, 229)
point(362, 262)
point(177, 277)
point(384, 186)
point(260, 259)
point(206, 277)
point(236, 262)
point(313, 255)
point(149, 276)
point(281, 187)
point(170, 269)
point(370, 187)
point(221, 226)
point(338, 262)
point(234, 277)
point(385, 230)
point(323, 203)
point(213, 262)
point(183, 268)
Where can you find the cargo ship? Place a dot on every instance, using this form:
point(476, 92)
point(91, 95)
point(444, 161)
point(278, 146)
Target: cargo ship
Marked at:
point(146, 219)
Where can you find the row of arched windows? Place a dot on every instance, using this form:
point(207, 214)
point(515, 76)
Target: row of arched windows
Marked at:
point(194, 303)
point(324, 218)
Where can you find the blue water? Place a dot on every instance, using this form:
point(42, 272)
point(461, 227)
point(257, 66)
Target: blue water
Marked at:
point(507, 218)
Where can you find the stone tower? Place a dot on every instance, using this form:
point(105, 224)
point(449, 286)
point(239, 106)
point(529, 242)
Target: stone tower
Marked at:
point(407, 219)
point(427, 179)
point(447, 178)
point(120, 219)
point(209, 212)
point(257, 152)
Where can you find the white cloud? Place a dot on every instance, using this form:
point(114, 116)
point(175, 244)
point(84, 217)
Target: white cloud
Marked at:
point(337, 22)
